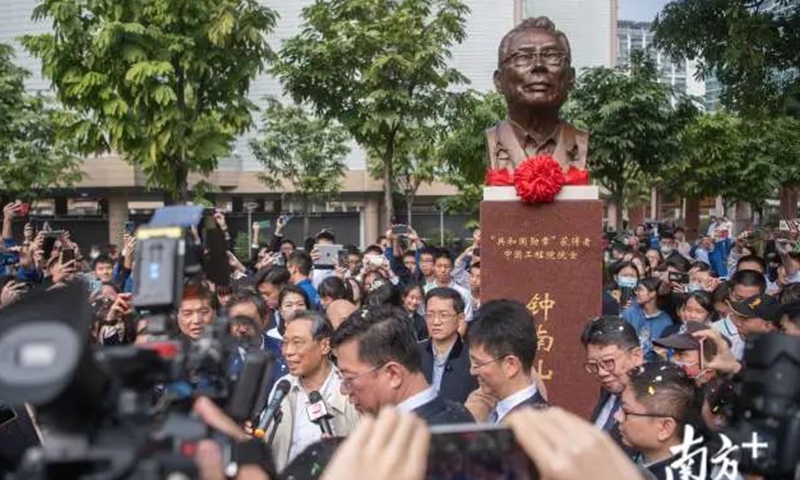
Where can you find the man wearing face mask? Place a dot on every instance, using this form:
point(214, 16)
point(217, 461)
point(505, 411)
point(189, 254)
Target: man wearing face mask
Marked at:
point(685, 350)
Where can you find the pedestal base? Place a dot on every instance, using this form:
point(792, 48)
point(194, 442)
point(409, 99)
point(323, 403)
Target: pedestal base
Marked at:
point(550, 258)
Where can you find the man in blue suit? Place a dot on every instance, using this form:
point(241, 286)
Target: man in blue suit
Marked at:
point(502, 348)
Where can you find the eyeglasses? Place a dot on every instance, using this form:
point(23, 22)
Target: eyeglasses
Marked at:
point(347, 382)
point(607, 364)
point(526, 59)
point(478, 366)
point(443, 316)
point(626, 413)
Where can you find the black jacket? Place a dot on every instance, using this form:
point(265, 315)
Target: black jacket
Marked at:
point(614, 431)
point(457, 383)
point(443, 412)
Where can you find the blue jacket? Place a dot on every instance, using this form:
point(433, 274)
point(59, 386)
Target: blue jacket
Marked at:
point(313, 297)
point(647, 328)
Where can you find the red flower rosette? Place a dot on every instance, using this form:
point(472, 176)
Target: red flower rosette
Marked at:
point(499, 177)
point(539, 179)
point(576, 176)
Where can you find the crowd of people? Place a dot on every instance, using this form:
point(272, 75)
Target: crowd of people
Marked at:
point(399, 328)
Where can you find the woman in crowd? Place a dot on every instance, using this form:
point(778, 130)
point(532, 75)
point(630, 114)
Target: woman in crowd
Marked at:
point(332, 288)
point(625, 280)
point(645, 316)
point(290, 300)
point(413, 299)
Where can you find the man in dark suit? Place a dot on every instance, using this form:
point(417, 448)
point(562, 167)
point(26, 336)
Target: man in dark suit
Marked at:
point(502, 348)
point(445, 359)
point(612, 350)
point(377, 354)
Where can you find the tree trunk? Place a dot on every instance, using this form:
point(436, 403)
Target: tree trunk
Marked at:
point(409, 205)
point(788, 197)
point(306, 219)
point(692, 218)
point(388, 176)
point(617, 199)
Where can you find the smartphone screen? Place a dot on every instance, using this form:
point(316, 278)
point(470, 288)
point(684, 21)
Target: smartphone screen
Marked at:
point(400, 230)
point(130, 228)
point(477, 452)
point(67, 255)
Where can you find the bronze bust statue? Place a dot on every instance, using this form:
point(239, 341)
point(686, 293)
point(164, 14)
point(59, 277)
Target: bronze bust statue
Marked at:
point(535, 74)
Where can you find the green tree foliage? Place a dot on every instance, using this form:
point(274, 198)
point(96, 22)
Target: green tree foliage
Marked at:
point(33, 154)
point(462, 152)
point(302, 151)
point(738, 159)
point(750, 49)
point(632, 122)
point(379, 67)
point(164, 82)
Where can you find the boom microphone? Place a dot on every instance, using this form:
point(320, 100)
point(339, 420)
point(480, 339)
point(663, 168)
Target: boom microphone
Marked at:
point(318, 413)
point(281, 390)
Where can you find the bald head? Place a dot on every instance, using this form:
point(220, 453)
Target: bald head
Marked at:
point(338, 311)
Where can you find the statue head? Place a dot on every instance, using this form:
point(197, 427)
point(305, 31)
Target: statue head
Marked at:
point(534, 65)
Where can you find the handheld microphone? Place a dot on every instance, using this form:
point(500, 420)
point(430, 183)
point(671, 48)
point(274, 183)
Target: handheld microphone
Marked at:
point(281, 390)
point(318, 413)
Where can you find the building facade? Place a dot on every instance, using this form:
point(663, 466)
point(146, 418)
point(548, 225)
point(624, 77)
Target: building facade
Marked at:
point(120, 190)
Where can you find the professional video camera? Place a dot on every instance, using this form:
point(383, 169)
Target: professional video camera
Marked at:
point(125, 412)
point(766, 413)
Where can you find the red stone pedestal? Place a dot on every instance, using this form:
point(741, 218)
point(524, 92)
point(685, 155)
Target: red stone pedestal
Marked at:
point(550, 258)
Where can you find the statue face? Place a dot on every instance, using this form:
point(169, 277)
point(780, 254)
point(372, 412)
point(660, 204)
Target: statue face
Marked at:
point(536, 71)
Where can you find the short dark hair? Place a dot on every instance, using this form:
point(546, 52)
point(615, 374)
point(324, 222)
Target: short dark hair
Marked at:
point(617, 267)
point(701, 266)
point(790, 294)
point(321, 327)
point(749, 278)
point(102, 259)
point(326, 235)
point(447, 293)
point(413, 286)
point(609, 330)
point(302, 261)
point(428, 251)
point(752, 259)
point(410, 253)
point(276, 275)
point(443, 253)
point(334, 288)
point(285, 241)
point(505, 327)
point(665, 389)
point(245, 296)
point(384, 335)
point(704, 299)
point(651, 283)
point(667, 235)
point(385, 294)
point(373, 250)
point(721, 293)
point(289, 289)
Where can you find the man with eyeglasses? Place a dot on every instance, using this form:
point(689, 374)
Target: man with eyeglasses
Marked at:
point(502, 348)
point(445, 359)
point(612, 350)
point(377, 354)
point(655, 408)
point(535, 74)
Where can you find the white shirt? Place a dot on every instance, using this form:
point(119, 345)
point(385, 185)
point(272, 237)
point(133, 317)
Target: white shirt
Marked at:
point(304, 431)
point(507, 404)
point(608, 407)
point(414, 402)
point(728, 330)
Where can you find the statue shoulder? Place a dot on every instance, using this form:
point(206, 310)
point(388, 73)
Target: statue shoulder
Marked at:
point(572, 132)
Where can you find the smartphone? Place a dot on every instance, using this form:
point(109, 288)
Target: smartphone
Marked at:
point(400, 229)
point(374, 260)
point(679, 277)
point(626, 294)
point(278, 259)
point(477, 451)
point(343, 258)
point(708, 350)
point(478, 448)
point(67, 255)
point(130, 228)
point(50, 241)
point(285, 218)
point(476, 252)
point(329, 255)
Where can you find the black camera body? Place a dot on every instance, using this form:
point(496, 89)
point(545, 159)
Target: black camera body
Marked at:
point(766, 412)
point(125, 411)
